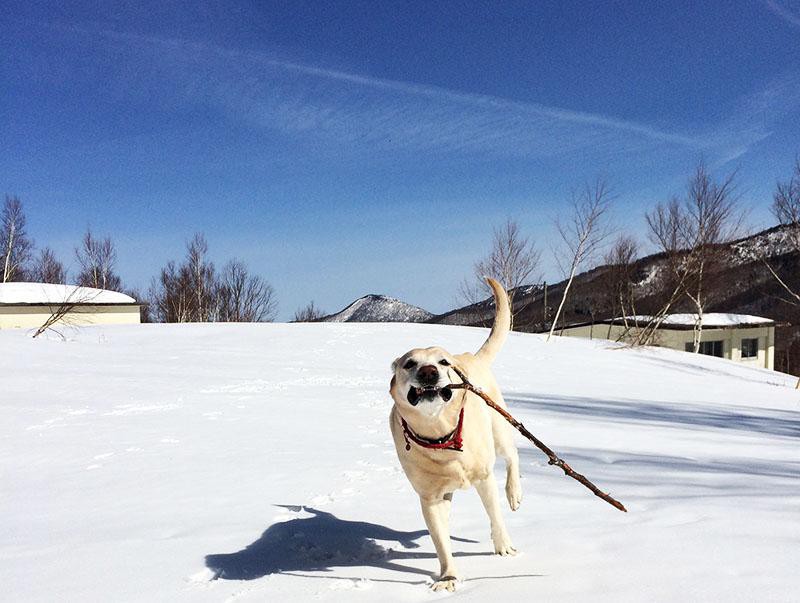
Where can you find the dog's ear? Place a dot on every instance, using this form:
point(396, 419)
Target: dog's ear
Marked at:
point(392, 382)
point(394, 365)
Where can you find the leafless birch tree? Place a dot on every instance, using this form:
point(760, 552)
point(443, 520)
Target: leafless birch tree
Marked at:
point(244, 297)
point(619, 283)
point(170, 295)
point(47, 269)
point(194, 292)
point(186, 292)
point(786, 204)
point(14, 243)
point(582, 234)
point(200, 276)
point(786, 209)
point(513, 261)
point(97, 260)
point(693, 232)
point(665, 224)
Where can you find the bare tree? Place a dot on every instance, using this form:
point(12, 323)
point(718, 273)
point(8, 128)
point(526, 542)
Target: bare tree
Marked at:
point(47, 269)
point(666, 225)
point(201, 280)
point(97, 260)
point(243, 297)
point(582, 234)
point(62, 313)
point(693, 233)
point(309, 313)
point(786, 204)
point(619, 283)
point(786, 209)
point(512, 261)
point(713, 220)
point(192, 291)
point(170, 295)
point(14, 243)
point(186, 292)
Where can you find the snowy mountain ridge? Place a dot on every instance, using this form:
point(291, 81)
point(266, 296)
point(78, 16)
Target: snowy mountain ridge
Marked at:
point(743, 285)
point(379, 308)
point(765, 244)
point(770, 243)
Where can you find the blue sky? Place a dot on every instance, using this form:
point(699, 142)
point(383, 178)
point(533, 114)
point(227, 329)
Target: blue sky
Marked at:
point(348, 148)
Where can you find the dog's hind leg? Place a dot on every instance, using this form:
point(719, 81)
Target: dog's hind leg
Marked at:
point(487, 489)
point(437, 517)
point(504, 447)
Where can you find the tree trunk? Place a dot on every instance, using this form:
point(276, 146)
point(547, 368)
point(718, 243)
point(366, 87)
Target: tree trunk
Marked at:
point(7, 263)
point(563, 301)
point(698, 303)
point(698, 328)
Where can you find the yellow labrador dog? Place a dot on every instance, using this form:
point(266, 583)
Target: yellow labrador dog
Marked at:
point(447, 440)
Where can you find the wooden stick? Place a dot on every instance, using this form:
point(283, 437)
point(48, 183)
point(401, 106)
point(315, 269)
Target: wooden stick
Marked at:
point(554, 460)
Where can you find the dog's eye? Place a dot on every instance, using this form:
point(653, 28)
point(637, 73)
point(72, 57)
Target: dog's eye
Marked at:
point(444, 362)
point(409, 365)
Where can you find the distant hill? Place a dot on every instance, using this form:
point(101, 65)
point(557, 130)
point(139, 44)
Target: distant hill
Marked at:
point(379, 308)
point(744, 285)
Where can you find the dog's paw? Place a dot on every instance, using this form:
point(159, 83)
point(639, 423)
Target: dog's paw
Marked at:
point(514, 494)
point(504, 548)
point(447, 583)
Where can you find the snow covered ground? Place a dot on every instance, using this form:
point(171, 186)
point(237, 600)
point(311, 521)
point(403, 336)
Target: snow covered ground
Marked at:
point(138, 463)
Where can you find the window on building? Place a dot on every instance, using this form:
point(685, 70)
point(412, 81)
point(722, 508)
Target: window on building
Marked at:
point(750, 348)
point(709, 348)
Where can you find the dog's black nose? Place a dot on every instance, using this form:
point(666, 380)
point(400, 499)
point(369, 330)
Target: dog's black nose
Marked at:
point(428, 375)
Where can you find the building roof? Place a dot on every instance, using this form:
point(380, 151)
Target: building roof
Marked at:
point(711, 320)
point(48, 294)
point(717, 320)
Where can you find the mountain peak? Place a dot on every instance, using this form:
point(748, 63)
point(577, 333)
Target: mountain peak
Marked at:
point(379, 308)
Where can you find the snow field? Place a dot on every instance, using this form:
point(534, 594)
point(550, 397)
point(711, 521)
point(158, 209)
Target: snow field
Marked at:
point(254, 462)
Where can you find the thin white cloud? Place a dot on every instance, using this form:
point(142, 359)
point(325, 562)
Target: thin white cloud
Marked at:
point(360, 110)
point(369, 114)
point(754, 117)
point(500, 105)
point(786, 9)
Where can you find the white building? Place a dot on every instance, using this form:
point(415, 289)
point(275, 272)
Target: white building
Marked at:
point(29, 305)
point(740, 337)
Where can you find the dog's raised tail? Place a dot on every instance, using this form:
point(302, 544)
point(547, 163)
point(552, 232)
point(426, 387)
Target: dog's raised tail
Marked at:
point(501, 326)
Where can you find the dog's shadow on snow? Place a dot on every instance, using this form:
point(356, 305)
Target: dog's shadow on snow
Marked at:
point(318, 543)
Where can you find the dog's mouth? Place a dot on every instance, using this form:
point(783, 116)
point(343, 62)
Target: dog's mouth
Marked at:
point(429, 392)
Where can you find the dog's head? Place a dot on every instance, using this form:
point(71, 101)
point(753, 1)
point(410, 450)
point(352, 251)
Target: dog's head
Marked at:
point(420, 380)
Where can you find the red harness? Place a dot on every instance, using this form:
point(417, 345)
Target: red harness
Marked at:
point(452, 441)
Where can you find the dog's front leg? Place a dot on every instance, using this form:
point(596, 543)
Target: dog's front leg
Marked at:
point(437, 517)
point(487, 489)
